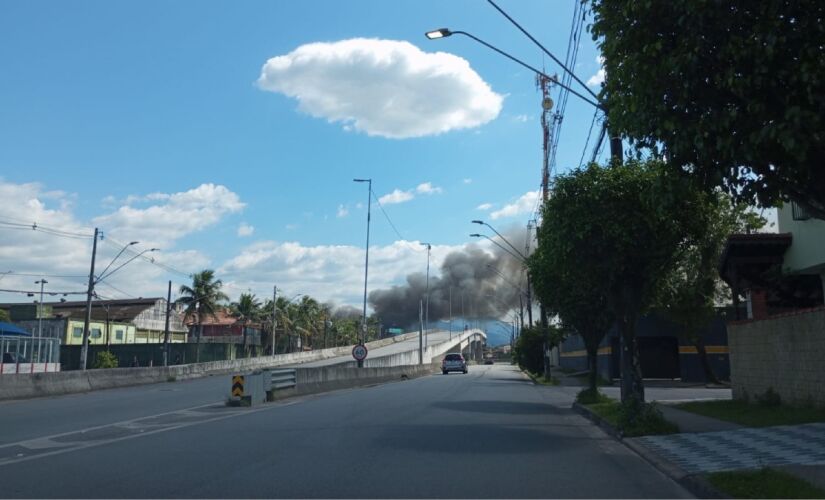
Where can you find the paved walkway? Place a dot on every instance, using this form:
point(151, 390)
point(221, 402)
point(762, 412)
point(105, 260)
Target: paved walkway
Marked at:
point(742, 448)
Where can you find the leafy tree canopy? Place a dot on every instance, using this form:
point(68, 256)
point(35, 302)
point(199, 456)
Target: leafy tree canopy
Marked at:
point(733, 90)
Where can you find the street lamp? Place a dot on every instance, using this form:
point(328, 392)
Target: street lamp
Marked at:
point(366, 263)
point(40, 282)
point(481, 222)
point(427, 307)
point(113, 271)
point(615, 142)
point(494, 242)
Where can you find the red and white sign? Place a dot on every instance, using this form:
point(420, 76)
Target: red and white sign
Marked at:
point(359, 352)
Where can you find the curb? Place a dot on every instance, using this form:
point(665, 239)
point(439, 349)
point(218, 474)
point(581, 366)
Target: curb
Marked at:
point(694, 483)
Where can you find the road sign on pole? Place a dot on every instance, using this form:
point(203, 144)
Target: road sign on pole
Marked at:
point(359, 352)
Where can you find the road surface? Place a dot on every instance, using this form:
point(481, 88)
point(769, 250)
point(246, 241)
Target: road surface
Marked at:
point(491, 433)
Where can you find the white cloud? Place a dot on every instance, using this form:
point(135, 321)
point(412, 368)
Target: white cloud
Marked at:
point(310, 269)
point(598, 78)
point(383, 88)
point(521, 118)
point(342, 211)
point(65, 260)
point(397, 196)
point(178, 215)
point(524, 205)
point(245, 229)
point(484, 206)
point(468, 181)
point(292, 227)
point(428, 188)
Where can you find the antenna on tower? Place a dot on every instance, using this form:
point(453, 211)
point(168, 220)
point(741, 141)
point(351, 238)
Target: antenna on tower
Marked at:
point(543, 83)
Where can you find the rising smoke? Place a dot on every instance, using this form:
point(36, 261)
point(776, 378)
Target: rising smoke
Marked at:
point(468, 276)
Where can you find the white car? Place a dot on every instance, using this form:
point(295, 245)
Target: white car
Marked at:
point(453, 363)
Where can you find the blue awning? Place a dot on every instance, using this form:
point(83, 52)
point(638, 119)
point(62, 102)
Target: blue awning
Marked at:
point(9, 329)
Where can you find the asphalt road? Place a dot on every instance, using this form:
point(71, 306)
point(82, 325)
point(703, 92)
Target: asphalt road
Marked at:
point(491, 433)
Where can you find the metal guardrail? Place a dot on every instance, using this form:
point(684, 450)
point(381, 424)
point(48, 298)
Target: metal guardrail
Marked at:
point(282, 379)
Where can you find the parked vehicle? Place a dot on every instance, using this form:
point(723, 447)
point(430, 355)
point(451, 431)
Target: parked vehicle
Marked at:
point(453, 363)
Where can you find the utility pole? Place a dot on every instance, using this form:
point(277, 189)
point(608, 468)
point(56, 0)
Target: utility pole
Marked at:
point(84, 351)
point(166, 326)
point(274, 309)
point(451, 313)
point(40, 282)
point(427, 310)
point(420, 332)
point(366, 262)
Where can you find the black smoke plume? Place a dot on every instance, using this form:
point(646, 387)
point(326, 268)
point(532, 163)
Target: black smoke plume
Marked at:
point(468, 276)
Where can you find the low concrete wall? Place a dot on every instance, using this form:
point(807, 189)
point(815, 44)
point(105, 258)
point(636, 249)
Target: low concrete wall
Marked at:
point(21, 386)
point(783, 353)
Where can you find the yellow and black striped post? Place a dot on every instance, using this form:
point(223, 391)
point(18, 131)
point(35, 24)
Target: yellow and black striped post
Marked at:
point(237, 386)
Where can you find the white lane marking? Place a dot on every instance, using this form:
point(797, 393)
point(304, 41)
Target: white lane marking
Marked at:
point(133, 424)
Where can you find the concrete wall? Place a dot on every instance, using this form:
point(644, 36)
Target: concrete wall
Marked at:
point(784, 353)
point(807, 252)
point(18, 386)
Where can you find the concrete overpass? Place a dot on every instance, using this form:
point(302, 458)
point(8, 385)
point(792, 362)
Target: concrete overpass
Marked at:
point(406, 352)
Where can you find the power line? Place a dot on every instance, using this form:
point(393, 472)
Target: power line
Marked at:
point(41, 275)
point(16, 222)
point(388, 218)
point(584, 150)
point(37, 292)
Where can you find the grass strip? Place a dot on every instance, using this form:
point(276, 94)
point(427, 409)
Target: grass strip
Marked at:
point(763, 483)
point(754, 415)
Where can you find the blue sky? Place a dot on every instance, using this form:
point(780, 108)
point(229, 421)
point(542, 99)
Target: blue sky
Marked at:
point(136, 116)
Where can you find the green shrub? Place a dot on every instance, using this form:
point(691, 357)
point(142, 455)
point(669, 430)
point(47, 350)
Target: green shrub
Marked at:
point(590, 397)
point(105, 359)
point(637, 418)
point(770, 398)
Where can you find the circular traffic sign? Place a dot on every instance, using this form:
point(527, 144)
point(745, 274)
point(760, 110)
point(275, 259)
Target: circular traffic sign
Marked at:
point(359, 352)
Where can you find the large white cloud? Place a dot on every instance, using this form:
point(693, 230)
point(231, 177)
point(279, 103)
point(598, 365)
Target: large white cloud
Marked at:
point(174, 216)
point(525, 204)
point(383, 88)
point(64, 258)
point(311, 270)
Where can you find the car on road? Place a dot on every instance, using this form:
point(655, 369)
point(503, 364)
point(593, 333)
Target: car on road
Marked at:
point(488, 361)
point(453, 362)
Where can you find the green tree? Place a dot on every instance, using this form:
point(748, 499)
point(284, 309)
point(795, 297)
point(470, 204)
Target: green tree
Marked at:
point(566, 284)
point(733, 91)
point(201, 300)
point(528, 350)
point(4, 315)
point(248, 310)
point(692, 291)
point(627, 225)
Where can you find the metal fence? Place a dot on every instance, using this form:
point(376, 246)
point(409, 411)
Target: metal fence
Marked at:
point(29, 354)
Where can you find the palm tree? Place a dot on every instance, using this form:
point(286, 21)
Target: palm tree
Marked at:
point(202, 299)
point(247, 309)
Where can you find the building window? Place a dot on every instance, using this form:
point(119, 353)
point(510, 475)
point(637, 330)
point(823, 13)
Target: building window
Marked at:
point(77, 332)
point(799, 213)
point(96, 333)
point(118, 334)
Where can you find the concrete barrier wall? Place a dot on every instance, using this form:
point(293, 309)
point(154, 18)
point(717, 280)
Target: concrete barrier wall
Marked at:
point(782, 353)
point(26, 385)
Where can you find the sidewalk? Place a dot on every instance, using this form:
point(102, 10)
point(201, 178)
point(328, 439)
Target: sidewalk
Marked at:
point(706, 444)
point(709, 445)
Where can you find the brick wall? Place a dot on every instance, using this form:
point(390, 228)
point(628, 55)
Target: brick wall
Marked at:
point(786, 353)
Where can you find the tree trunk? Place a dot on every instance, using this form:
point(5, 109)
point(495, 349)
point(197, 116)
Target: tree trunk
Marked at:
point(710, 376)
point(632, 386)
point(592, 365)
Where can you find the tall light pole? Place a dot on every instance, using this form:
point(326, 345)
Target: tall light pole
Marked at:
point(366, 263)
point(40, 282)
point(427, 307)
point(84, 350)
point(594, 100)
